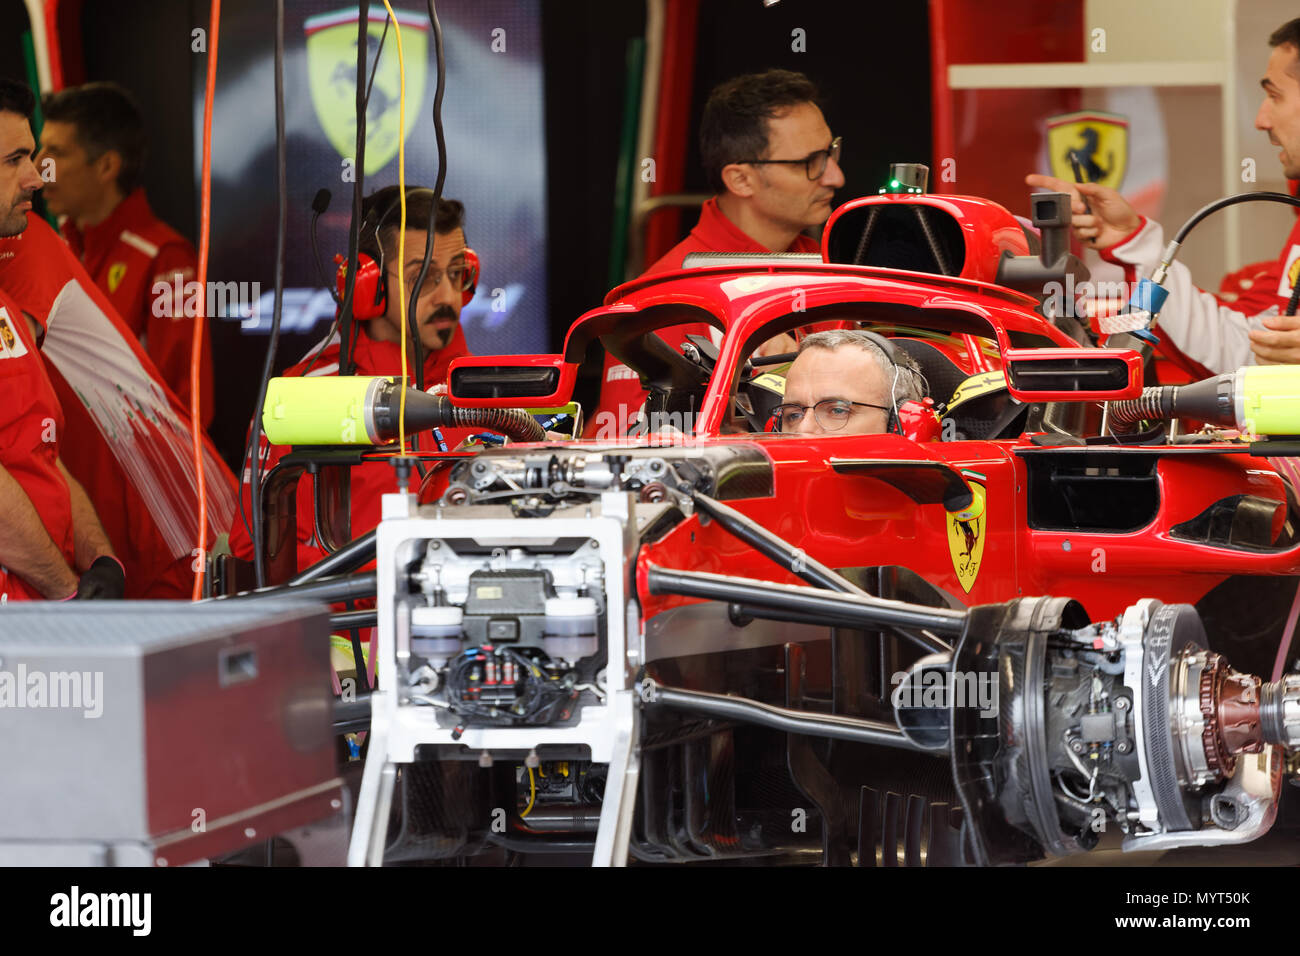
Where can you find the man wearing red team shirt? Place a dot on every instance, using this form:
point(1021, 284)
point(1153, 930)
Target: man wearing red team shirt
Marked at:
point(774, 167)
point(377, 350)
point(93, 146)
point(51, 542)
point(122, 422)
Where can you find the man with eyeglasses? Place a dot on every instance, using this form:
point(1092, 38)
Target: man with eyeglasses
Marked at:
point(774, 167)
point(772, 163)
point(842, 383)
point(376, 349)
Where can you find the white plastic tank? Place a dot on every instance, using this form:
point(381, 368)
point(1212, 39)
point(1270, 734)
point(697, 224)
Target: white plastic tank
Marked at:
point(436, 633)
point(570, 631)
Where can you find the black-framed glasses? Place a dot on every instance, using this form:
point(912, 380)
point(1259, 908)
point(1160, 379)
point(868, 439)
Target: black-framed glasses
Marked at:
point(455, 274)
point(831, 414)
point(814, 164)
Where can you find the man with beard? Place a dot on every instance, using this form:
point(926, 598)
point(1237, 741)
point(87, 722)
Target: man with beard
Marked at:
point(376, 349)
point(51, 542)
point(1217, 332)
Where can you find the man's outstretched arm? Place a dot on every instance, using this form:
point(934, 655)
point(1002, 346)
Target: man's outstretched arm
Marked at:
point(26, 548)
point(88, 536)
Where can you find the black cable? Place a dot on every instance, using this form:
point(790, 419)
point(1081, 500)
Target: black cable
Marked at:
point(1227, 201)
point(255, 433)
point(348, 348)
point(346, 363)
point(412, 321)
point(347, 343)
point(540, 699)
point(263, 457)
point(437, 196)
point(379, 51)
point(318, 207)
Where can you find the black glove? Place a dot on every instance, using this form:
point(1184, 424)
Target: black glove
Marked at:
point(105, 579)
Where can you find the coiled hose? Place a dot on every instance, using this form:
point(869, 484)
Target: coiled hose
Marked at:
point(515, 423)
point(1154, 404)
point(1211, 401)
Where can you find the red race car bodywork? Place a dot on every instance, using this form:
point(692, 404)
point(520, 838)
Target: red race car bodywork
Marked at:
point(1101, 523)
point(683, 600)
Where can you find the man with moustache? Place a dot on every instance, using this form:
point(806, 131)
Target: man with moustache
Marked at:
point(51, 542)
point(376, 349)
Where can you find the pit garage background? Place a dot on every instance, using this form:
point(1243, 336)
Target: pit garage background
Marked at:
point(547, 137)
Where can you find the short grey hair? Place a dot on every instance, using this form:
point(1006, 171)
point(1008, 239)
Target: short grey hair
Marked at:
point(910, 384)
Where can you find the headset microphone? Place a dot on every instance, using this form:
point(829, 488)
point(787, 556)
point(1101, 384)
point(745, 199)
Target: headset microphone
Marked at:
point(319, 204)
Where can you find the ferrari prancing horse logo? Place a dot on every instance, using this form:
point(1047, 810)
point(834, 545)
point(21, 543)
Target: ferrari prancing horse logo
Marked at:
point(332, 78)
point(966, 534)
point(1098, 142)
point(116, 272)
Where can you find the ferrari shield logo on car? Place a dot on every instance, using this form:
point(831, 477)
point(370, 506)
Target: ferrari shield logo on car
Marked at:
point(332, 70)
point(1097, 142)
point(966, 534)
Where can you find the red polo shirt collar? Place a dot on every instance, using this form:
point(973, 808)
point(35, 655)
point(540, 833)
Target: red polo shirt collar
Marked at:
point(385, 358)
point(93, 243)
point(716, 231)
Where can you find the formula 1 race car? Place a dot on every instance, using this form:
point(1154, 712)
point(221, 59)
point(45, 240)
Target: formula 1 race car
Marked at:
point(683, 636)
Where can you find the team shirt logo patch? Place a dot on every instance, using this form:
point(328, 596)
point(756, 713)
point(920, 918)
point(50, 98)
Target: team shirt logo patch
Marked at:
point(1290, 272)
point(966, 533)
point(116, 272)
point(11, 346)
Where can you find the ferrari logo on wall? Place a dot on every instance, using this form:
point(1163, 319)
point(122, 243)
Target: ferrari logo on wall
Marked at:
point(332, 70)
point(966, 534)
point(1097, 141)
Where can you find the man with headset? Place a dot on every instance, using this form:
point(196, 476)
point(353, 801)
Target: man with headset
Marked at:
point(378, 301)
point(847, 382)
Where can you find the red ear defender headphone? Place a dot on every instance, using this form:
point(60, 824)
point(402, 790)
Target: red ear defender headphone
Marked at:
point(370, 293)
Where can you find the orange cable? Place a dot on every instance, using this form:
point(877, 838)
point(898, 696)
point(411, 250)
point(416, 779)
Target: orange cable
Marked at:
point(196, 346)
